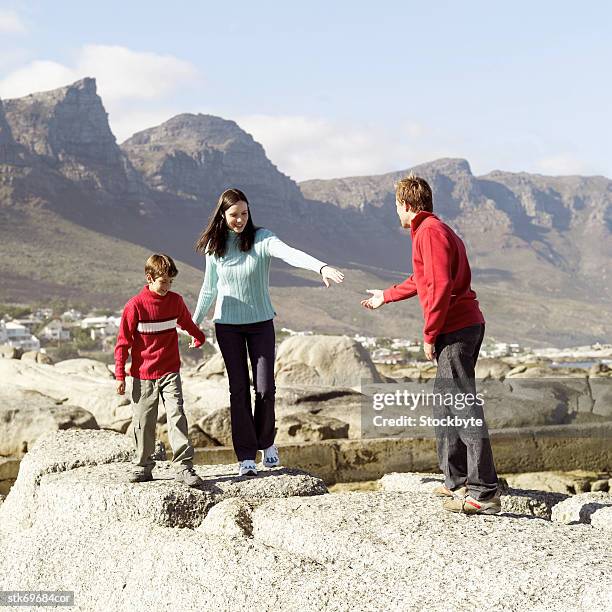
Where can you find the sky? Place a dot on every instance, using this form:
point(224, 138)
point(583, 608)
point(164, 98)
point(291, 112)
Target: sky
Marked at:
point(340, 88)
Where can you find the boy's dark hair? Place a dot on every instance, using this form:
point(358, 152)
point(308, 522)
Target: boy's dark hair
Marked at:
point(416, 192)
point(213, 239)
point(159, 264)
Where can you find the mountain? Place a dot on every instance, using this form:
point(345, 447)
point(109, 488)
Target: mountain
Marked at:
point(79, 213)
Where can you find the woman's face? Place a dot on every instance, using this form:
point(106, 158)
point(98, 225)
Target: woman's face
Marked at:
point(236, 216)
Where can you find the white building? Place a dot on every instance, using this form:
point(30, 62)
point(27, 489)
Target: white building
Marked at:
point(71, 315)
point(101, 327)
point(18, 336)
point(55, 331)
point(3, 334)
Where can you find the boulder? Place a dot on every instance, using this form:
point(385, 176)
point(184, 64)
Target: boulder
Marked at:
point(27, 415)
point(218, 426)
point(577, 481)
point(308, 427)
point(10, 352)
point(37, 357)
point(602, 518)
point(580, 508)
point(89, 367)
point(324, 361)
point(73, 519)
point(491, 368)
point(213, 368)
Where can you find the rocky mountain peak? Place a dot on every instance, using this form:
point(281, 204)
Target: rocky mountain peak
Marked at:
point(197, 156)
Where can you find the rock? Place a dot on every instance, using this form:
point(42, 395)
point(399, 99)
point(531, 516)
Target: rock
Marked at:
point(9, 467)
point(9, 352)
point(213, 368)
point(81, 366)
point(324, 361)
point(602, 518)
point(577, 481)
point(601, 392)
point(307, 427)
point(27, 415)
point(600, 485)
point(580, 508)
point(218, 427)
point(200, 439)
point(37, 357)
point(491, 368)
point(79, 523)
point(229, 518)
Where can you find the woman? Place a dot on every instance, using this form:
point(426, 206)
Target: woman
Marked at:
point(237, 269)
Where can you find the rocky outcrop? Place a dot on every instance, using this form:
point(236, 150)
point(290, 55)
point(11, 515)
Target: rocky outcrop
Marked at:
point(26, 415)
point(372, 550)
point(67, 129)
point(197, 157)
point(332, 361)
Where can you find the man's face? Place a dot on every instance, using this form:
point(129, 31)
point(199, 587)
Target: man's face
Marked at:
point(404, 213)
point(160, 285)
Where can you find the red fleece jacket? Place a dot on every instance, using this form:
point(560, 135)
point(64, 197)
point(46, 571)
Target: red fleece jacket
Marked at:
point(441, 278)
point(148, 328)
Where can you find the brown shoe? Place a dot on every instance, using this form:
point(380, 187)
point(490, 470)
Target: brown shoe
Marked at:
point(443, 491)
point(469, 505)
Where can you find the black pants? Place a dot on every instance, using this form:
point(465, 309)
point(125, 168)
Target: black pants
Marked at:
point(464, 452)
point(249, 432)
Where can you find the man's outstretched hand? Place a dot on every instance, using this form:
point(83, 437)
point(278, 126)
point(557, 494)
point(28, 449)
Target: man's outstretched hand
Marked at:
point(376, 301)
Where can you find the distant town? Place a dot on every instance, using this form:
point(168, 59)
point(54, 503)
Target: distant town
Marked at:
point(73, 333)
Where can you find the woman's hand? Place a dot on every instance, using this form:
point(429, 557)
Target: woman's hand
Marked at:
point(376, 301)
point(328, 273)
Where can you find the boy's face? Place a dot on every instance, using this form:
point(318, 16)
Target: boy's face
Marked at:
point(160, 285)
point(404, 213)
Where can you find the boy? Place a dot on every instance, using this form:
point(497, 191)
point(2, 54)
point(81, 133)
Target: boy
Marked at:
point(148, 329)
point(453, 332)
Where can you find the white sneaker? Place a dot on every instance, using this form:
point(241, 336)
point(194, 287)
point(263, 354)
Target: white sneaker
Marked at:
point(270, 457)
point(247, 468)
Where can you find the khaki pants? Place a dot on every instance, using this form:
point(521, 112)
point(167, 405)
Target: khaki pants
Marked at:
point(145, 400)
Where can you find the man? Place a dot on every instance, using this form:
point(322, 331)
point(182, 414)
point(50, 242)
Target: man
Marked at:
point(453, 333)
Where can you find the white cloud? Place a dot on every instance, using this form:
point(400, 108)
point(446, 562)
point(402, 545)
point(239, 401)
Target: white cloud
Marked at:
point(11, 23)
point(562, 164)
point(310, 147)
point(125, 78)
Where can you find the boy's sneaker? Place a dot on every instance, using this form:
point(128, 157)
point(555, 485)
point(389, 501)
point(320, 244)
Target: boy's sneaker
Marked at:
point(141, 475)
point(469, 505)
point(188, 476)
point(443, 491)
point(270, 457)
point(247, 468)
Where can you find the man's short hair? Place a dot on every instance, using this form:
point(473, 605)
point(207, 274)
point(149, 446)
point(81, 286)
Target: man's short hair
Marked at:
point(159, 264)
point(416, 192)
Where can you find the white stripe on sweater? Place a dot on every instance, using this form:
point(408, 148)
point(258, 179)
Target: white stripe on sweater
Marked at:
point(156, 326)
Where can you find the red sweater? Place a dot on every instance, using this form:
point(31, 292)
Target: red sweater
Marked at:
point(441, 278)
point(148, 328)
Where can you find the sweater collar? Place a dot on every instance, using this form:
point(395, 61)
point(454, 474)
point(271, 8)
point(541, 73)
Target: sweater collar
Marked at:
point(146, 292)
point(416, 222)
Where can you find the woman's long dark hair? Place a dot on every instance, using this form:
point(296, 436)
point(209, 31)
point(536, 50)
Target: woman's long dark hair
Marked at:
point(214, 238)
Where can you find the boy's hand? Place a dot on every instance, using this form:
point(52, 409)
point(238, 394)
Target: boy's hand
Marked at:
point(429, 350)
point(376, 301)
point(195, 343)
point(121, 387)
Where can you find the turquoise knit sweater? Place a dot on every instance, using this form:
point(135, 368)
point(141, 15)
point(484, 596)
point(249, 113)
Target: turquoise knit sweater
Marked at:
point(240, 280)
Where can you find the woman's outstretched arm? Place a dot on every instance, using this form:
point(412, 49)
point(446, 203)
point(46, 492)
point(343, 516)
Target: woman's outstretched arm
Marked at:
point(298, 259)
